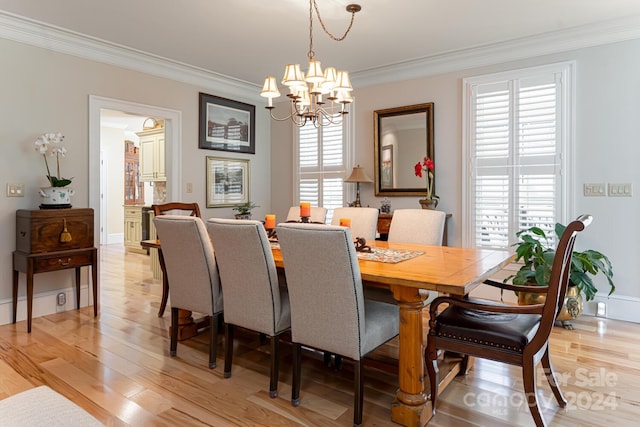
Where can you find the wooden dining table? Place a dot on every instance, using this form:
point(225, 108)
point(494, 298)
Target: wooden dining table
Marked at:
point(445, 269)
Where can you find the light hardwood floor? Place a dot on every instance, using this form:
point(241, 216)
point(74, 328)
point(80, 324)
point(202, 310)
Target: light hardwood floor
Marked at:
point(118, 368)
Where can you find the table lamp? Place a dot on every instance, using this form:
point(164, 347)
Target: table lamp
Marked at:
point(358, 175)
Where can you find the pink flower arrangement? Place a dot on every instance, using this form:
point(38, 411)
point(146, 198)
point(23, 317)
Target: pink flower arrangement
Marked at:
point(427, 166)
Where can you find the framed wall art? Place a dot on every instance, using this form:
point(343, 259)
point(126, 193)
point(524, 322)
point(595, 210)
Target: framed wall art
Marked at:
point(227, 182)
point(226, 125)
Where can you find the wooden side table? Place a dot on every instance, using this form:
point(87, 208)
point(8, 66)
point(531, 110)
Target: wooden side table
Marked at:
point(51, 240)
point(53, 261)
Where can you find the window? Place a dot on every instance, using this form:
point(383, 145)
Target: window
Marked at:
point(321, 160)
point(517, 139)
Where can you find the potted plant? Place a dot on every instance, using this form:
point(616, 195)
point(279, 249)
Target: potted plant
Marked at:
point(244, 210)
point(537, 255)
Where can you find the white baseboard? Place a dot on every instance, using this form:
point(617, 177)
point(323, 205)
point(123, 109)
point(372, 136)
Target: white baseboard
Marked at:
point(618, 307)
point(45, 303)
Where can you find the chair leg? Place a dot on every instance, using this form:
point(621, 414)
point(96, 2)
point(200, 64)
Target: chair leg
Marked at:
point(263, 338)
point(431, 360)
point(551, 377)
point(337, 362)
point(530, 392)
point(173, 344)
point(327, 359)
point(228, 350)
point(358, 398)
point(275, 362)
point(297, 368)
point(213, 346)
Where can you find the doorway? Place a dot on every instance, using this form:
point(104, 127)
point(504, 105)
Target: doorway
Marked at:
point(97, 170)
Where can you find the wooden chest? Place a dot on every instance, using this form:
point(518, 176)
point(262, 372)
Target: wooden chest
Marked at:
point(43, 230)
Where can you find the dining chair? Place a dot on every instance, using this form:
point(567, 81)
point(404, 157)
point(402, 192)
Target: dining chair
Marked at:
point(364, 221)
point(163, 208)
point(318, 214)
point(191, 268)
point(423, 226)
point(328, 310)
point(517, 335)
point(178, 208)
point(253, 298)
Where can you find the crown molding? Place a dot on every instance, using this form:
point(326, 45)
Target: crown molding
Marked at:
point(36, 33)
point(496, 53)
point(39, 34)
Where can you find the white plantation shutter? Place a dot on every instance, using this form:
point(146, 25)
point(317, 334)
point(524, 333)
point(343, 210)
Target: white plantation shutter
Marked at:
point(321, 165)
point(518, 127)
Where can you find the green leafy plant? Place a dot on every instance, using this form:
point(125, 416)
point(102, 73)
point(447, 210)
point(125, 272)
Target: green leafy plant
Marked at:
point(245, 208)
point(536, 253)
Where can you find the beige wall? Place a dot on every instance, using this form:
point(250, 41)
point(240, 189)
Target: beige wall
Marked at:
point(112, 144)
point(45, 91)
point(607, 147)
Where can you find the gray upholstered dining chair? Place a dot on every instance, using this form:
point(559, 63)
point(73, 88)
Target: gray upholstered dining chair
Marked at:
point(424, 226)
point(364, 221)
point(192, 273)
point(253, 298)
point(318, 214)
point(328, 310)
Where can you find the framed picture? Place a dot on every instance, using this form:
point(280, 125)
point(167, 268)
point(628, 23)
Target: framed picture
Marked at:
point(226, 125)
point(227, 182)
point(386, 179)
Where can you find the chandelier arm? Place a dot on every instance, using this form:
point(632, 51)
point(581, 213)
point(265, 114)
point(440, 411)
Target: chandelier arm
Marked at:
point(338, 39)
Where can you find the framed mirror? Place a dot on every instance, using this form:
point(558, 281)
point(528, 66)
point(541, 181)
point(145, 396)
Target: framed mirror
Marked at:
point(403, 136)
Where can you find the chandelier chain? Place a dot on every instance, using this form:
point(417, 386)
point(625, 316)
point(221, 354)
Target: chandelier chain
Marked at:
point(338, 39)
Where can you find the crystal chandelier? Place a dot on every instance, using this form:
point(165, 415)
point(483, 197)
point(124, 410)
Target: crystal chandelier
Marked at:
point(320, 98)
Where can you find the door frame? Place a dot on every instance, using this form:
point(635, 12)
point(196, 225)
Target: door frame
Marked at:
point(173, 148)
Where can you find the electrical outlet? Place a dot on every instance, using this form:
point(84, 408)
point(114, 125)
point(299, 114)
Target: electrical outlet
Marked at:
point(594, 190)
point(62, 298)
point(189, 187)
point(15, 190)
point(601, 310)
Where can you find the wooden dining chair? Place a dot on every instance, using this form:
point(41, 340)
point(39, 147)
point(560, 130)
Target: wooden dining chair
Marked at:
point(191, 209)
point(191, 266)
point(253, 297)
point(364, 221)
point(517, 335)
point(328, 310)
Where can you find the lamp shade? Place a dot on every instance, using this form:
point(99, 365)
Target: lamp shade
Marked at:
point(358, 175)
point(270, 88)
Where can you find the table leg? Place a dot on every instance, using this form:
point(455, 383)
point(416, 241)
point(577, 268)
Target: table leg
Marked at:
point(29, 294)
point(15, 295)
point(77, 288)
point(411, 407)
point(94, 281)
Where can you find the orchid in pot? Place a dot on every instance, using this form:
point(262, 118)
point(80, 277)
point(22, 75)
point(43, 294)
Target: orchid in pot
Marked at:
point(427, 166)
point(51, 144)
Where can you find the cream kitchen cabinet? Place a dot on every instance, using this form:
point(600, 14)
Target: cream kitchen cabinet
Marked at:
point(133, 229)
point(152, 156)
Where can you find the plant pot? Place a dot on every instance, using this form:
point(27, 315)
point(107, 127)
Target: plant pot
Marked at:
point(56, 197)
point(571, 309)
point(428, 203)
point(243, 216)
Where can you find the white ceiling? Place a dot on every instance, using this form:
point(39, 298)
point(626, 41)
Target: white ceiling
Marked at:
point(248, 39)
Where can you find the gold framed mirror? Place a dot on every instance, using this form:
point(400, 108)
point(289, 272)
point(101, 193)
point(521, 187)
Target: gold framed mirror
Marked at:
point(402, 136)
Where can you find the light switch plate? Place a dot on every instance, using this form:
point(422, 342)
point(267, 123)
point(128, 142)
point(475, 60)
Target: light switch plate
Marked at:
point(620, 190)
point(15, 190)
point(594, 190)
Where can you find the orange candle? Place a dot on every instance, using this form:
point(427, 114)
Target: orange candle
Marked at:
point(269, 221)
point(305, 209)
point(345, 222)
